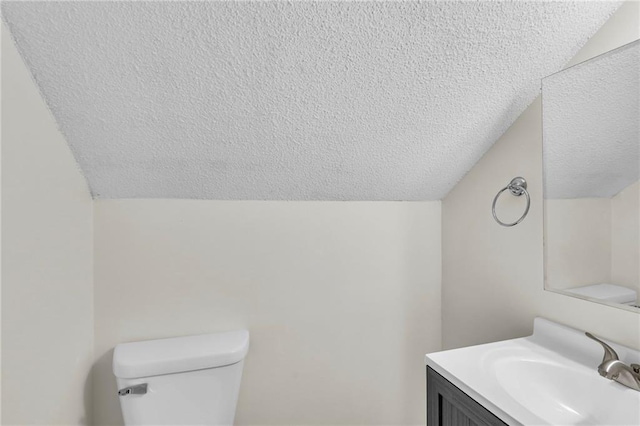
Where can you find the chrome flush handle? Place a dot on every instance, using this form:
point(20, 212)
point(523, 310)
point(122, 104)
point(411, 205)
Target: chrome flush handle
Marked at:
point(140, 389)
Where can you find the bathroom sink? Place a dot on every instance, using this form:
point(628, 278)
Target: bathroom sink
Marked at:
point(549, 378)
point(565, 394)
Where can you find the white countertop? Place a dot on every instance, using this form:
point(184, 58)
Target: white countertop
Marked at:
point(547, 378)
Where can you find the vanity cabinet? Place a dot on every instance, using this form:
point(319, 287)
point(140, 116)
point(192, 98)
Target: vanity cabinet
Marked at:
point(449, 406)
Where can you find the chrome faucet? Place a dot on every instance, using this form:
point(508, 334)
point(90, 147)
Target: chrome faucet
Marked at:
point(614, 369)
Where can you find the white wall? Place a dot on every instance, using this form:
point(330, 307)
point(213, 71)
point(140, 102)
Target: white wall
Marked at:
point(47, 290)
point(342, 299)
point(493, 276)
point(577, 242)
point(625, 237)
point(593, 240)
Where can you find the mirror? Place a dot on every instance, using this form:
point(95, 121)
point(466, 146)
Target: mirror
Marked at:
point(591, 158)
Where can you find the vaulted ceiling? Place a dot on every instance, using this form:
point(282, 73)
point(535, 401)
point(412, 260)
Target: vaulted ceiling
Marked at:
point(291, 100)
point(591, 130)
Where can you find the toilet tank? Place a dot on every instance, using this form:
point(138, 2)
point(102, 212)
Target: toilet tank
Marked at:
point(191, 380)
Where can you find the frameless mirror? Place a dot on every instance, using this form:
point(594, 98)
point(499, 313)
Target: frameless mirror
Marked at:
point(591, 157)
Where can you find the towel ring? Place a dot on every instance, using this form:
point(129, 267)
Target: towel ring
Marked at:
point(517, 187)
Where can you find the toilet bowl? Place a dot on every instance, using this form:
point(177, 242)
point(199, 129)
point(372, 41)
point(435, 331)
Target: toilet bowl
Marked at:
point(607, 293)
point(192, 380)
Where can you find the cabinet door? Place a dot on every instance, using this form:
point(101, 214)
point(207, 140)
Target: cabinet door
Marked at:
point(449, 406)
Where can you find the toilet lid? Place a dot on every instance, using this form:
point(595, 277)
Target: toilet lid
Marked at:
point(179, 354)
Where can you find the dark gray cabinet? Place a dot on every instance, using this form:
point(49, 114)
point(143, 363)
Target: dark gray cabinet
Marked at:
point(449, 406)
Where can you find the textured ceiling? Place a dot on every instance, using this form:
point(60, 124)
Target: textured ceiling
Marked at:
point(291, 100)
point(591, 130)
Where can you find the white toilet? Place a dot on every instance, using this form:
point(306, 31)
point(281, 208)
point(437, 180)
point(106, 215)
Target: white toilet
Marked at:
point(607, 293)
point(191, 380)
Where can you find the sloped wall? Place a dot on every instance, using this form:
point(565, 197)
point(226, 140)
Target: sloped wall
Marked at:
point(47, 257)
point(492, 277)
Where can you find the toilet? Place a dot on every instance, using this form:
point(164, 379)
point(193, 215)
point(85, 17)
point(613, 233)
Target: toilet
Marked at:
point(607, 293)
point(191, 380)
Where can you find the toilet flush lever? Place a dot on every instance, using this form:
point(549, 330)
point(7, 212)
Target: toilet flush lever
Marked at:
point(133, 390)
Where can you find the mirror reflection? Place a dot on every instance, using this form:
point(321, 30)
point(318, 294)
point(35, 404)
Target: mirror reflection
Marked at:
point(591, 154)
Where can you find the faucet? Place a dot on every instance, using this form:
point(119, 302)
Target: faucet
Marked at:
point(614, 369)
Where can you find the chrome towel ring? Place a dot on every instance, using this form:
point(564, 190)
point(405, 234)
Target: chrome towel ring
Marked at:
point(517, 187)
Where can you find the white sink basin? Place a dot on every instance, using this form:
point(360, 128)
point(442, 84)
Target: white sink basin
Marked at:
point(564, 394)
point(548, 378)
